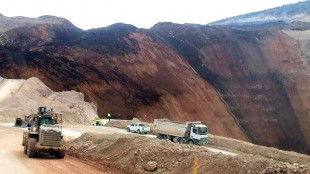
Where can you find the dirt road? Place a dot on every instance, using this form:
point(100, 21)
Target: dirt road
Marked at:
point(13, 160)
point(72, 132)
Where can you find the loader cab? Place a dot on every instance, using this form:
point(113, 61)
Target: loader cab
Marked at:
point(41, 110)
point(47, 121)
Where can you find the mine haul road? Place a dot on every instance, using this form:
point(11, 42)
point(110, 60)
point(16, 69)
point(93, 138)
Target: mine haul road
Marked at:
point(14, 161)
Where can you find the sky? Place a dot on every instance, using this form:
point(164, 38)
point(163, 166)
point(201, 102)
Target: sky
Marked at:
point(87, 14)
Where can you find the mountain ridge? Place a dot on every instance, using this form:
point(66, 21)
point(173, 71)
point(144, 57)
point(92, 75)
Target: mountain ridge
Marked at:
point(292, 12)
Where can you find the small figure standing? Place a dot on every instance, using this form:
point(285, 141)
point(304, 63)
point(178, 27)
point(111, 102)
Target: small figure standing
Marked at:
point(109, 116)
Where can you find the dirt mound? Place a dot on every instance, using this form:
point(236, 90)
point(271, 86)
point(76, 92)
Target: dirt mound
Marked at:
point(137, 154)
point(286, 168)
point(267, 152)
point(24, 96)
point(236, 145)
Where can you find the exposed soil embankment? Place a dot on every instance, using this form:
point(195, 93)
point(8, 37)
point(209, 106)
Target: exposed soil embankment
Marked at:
point(267, 152)
point(137, 154)
point(127, 71)
point(236, 145)
point(263, 76)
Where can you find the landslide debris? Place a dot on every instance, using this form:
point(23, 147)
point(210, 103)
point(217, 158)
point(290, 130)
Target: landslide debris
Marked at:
point(128, 72)
point(286, 168)
point(24, 98)
point(138, 154)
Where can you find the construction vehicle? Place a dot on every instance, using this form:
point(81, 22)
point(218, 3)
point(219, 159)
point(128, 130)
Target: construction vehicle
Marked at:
point(98, 122)
point(44, 134)
point(179, 132)
point(25, 122)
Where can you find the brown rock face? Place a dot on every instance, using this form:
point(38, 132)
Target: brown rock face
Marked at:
point(243, 83)
point(126, 71)
point(262, 76)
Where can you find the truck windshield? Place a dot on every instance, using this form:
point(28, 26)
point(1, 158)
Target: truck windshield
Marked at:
point(202, 131)
point(47, 120)
point(141, 124)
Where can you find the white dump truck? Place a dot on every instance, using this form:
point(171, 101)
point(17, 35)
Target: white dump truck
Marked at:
point(185, 133)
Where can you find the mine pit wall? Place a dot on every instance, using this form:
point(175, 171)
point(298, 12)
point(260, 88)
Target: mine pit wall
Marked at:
point(138, 76)
point(293, 67)
point(135, 73)
point(254, 72)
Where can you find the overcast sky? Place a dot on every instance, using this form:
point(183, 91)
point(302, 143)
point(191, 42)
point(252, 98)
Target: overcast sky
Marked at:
point(88, 14)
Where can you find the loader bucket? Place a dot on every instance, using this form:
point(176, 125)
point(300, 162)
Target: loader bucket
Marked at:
point(19, 122)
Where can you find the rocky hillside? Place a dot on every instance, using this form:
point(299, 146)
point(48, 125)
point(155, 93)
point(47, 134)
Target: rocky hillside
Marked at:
point(246, 83)
point(293, 12)
point(7, 23)
point(261, 75)
point(126, 71)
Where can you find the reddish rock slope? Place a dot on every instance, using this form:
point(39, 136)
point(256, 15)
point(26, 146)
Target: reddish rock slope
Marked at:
point(262, 75)
point(125, 70)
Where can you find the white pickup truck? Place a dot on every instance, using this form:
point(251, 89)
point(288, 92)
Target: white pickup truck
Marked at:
point(138, 128)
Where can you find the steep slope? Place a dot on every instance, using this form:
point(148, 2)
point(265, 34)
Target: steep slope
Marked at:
point(20, 97)
point(262, 76)
point(244, 82)
point(293, 12)
point(125, 70)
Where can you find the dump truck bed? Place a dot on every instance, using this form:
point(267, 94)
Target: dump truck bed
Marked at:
point(167, 127)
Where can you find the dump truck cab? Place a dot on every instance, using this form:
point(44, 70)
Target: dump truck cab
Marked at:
point(44, 134)
point(199, 134)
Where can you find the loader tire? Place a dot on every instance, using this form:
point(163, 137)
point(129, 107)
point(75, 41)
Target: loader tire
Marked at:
point(60, 154)
point(31, 147)
point(138, 131)
point(128, 129)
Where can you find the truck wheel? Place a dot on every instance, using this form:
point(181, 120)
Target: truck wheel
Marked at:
point(190, 142)
point(31, 147)
point(175, 139)
point(61, 154)
point(25, 150)
point(128, 130)
point(138, 131)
